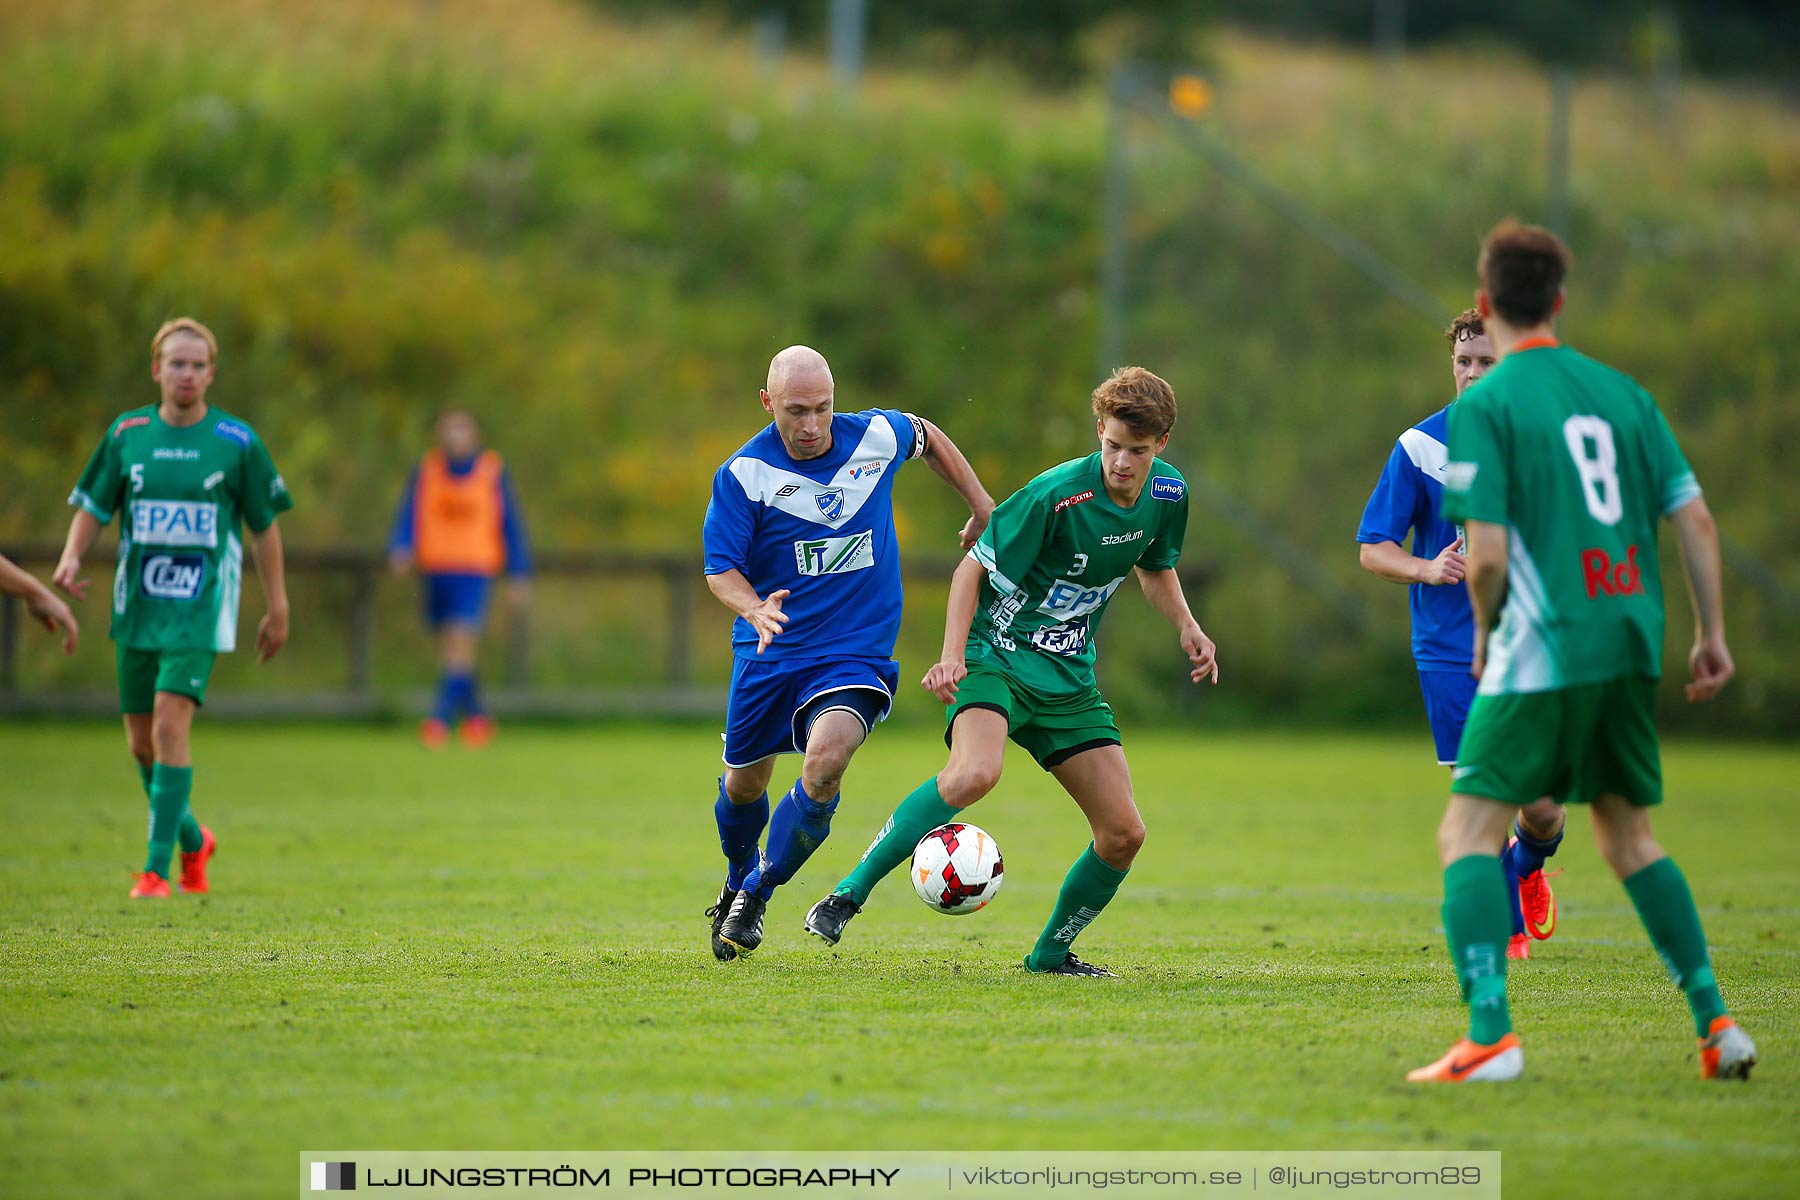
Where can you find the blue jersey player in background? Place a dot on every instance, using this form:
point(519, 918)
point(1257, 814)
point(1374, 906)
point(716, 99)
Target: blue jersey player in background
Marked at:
point(1408, 497)
point(800, 545)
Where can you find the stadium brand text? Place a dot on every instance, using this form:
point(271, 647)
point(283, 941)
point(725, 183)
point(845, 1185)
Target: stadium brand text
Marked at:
point(179, 453)
point(1119, 539)
point(1604, 577)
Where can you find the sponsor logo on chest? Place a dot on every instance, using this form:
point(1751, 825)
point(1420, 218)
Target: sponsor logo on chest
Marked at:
point(1067, 599)
point(175, 523)
point(835, 555)
point(1072, 501)
point(1120, 539)
point(177, 453)
point(1165, 488)
point(173, 576)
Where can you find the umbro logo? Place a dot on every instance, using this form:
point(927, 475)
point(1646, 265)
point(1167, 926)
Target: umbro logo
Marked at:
point(787, 491)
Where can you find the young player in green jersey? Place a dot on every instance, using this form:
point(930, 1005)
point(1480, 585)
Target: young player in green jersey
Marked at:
point(1560, 468)
point(1018, 657)
point(181, 474)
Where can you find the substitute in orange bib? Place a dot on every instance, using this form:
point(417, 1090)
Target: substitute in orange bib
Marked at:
point(459, 525)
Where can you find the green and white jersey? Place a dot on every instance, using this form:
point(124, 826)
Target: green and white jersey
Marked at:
point(1575, 460)
point(180, 493)
point(1055, 551)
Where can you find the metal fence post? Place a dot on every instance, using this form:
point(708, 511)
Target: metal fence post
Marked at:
point(362, 627)
point(681, 621)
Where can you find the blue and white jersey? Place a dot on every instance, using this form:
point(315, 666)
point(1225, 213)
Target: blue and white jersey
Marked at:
point(1410, 496)
point(823, 529)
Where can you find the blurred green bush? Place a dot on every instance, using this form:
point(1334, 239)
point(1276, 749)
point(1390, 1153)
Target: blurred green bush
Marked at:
point(595, 235)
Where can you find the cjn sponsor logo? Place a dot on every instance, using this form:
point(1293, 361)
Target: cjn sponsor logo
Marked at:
point(174, 576)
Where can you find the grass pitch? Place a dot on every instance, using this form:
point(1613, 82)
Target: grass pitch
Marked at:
point(505, 950)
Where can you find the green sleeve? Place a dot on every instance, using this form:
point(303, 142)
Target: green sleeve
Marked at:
point(102, 484)
point(1475, 478)
point(265, 495)
point(1674, 478)
point(1013, 540)
point(1164, 550)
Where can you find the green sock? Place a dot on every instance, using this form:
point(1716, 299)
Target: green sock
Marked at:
point(1087, 889)
point(189, 835)
point(169, 787)
point(1477, 921)
point(920, 813)
point(1666, 906)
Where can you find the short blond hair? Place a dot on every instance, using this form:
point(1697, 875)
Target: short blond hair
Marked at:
point(185, 325)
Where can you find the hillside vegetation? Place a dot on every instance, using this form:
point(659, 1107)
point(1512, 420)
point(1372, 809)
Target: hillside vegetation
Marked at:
point(596, 233)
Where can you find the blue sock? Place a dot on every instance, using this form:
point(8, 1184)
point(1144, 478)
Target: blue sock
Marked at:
point(447, 694)
point(797, 827)
point(740, 827)
point(471, 696)
point(1512, 893)
point(1528, 853)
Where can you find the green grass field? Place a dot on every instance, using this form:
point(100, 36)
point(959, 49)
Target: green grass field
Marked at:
point(505, 950)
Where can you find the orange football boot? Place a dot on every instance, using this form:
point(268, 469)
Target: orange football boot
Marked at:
point(1537, 902)
point(1726, 1052)
point(150, 886)
point(193, 866)
point(434, 734)
point(1471, 1062)
point(1518, 946)
point(476, 732)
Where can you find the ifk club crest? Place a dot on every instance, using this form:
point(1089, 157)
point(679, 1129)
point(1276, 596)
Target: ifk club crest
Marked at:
point(831, 503)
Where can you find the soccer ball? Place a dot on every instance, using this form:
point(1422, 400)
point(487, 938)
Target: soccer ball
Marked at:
point(956, 869)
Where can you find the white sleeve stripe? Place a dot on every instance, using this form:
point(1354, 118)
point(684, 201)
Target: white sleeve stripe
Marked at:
point(1680, 492)
point(80, 499)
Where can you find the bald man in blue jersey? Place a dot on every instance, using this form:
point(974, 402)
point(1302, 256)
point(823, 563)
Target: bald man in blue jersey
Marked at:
point(1408, 498)
point(800, 544)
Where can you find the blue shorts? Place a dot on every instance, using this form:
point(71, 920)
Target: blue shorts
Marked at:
point(1448, 695)
point(456, 599)
point(773, 703)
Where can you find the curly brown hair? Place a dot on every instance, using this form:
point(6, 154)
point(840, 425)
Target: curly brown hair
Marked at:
point(1522, 268)
point(1467, 325)
point(1143, 401)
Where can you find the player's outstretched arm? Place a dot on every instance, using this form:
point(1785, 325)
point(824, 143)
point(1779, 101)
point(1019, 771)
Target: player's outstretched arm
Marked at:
point(1709, 663)
point(82, 531)
point(1487, 582)
point(271, 570)
point(1163, 590)
point(952, 667)
point(762, 612)
point(1391, 561)
point(948, 462)
point(42, 603)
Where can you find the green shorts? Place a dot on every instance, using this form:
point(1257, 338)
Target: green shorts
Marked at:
point(143, 673)
point(1052, 729)
point(1572, 744)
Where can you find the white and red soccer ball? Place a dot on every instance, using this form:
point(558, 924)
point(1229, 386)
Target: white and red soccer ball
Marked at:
point(956, 869)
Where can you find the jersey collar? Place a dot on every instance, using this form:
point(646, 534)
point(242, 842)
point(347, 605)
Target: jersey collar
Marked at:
point(1535, 343)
